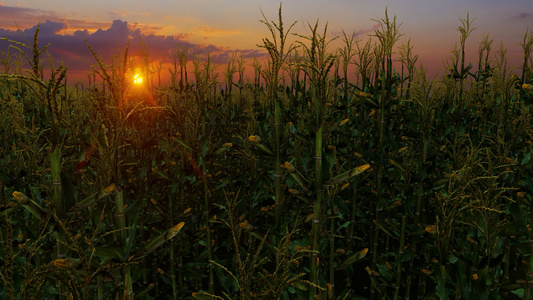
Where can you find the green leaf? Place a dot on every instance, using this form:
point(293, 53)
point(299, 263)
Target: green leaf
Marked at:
point(299, 179)
point(91, 199)
point(346, 224)
point(452, 258)
point(347, 175)
point(440, 290)
point(31, 206)
point(384, 271)
point(130, 238)
point(163, 175)
point(385, 229)
point(158, 241)
point(516, 212)
point(519, 292)
point(184, 144)
point(262, 149)
point(204, 148)
point(205, 296)
point(441, 182)
point(300, 285)
point(399, 166)
point(221, 151)
point(68, 191)
point(353, 258)
point(328, 160)
point(462, 280)
point(115, 252)
point(144, 292)
point(526, 158)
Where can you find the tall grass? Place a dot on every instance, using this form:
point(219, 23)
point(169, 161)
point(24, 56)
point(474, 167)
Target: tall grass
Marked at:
point(329, 174)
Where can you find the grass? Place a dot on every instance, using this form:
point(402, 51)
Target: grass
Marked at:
point(301, 183)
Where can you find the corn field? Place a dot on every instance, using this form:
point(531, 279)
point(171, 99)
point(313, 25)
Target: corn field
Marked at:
point(344, 173)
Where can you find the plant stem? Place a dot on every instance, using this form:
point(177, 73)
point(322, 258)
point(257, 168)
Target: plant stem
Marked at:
point(172, 251)
point(399, 258)
point(121, 225)
point(55, 160)
point(331, 294)
point(277, 160)
point(317, 207)
point(211, 285)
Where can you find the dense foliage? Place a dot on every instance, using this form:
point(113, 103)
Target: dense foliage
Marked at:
point(298, 183)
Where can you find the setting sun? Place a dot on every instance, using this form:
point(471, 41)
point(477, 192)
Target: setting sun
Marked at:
point(137, 79)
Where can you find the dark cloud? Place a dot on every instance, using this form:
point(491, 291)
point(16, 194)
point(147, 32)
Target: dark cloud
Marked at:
point(72, 49)
point(524, 15)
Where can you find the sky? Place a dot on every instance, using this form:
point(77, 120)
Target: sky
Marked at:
point(222, 28)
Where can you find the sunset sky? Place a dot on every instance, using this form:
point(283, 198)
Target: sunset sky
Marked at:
point(222, 27)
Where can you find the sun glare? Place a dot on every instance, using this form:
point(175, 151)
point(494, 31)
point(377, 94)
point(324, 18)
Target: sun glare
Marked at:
point(137, 79)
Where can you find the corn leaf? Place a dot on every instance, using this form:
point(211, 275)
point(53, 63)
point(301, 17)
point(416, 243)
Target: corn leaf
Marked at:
point(221, 151)
point(158, 241)
point(347, 175)
point(31, 206)
point(353, 258)
point(129, 239)
point(262, 149)
point(115, 252)
point(205, 296)
point(91, 199)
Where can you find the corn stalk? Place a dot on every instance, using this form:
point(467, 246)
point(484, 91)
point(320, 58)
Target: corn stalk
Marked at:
point(276, 50)
point(319, 63)
point(387, 35)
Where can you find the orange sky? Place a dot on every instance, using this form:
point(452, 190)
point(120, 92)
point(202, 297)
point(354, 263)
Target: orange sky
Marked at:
point(224, 27)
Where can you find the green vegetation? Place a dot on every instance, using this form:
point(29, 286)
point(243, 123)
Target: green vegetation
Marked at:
point(300, 184)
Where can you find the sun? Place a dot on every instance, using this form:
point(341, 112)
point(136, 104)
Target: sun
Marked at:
point(137, 79)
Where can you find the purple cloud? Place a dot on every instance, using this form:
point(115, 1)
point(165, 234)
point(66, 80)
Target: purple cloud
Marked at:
point(73, 51)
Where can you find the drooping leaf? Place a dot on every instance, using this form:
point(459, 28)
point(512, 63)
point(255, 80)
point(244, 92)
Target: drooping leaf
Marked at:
point(223, 149)
point(516, 212)
point(144, 292)
point(158, 241)
point(163, 175)
point(353, 258)
point(184, 144)
point(131, 236)
point(115, 252)
point(91, 199)
point(347, 175)
point(68, 191)
point(296, 175)
point(30, 205)
point(205, 296)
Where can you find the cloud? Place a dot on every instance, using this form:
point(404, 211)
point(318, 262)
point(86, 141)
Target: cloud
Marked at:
point(359, 32)
point(72, 49)
point(12, 17)
point(209, 31)
point(127, 13)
